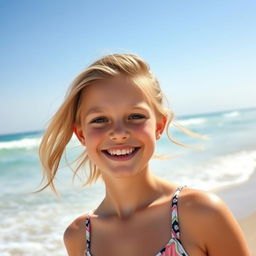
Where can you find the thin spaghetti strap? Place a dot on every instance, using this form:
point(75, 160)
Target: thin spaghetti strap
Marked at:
point(175, 230)
point(88, 235)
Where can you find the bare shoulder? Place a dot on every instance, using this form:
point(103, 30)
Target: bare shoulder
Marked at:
point(212, 223)
point(202, 202)
point(74, 237)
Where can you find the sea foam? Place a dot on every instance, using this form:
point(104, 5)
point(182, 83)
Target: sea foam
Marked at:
point(27, 143)
point(192, 121)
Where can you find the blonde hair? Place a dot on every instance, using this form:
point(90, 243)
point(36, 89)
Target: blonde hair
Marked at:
point(60, 129)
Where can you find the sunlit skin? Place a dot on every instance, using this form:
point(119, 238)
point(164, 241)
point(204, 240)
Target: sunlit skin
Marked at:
point(134, 217)
point(116, 116)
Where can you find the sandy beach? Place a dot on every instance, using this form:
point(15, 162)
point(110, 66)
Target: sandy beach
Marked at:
point(248, 225)
point(241, 200)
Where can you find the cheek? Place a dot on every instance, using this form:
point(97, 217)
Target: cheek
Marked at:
point(147, 130)
point(93, 136)
point(94, 132)
point(146, 134)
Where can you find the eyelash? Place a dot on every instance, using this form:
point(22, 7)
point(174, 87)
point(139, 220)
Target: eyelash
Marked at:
point(136, 115)
point(98, 120)
point(101, 120)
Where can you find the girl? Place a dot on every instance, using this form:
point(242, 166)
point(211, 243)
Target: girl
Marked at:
point(115, 108)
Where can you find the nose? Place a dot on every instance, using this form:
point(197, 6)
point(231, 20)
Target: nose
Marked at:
point(119, 133)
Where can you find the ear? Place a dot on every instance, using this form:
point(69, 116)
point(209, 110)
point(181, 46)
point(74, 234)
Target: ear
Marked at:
point(160, 125)
point(79, 133)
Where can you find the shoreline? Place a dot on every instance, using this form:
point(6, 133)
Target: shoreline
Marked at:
point(238, 197)
point(241, 201)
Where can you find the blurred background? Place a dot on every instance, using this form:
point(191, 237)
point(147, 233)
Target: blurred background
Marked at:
point(203, 52)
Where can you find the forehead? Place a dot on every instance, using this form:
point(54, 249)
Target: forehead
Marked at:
point(119, 90)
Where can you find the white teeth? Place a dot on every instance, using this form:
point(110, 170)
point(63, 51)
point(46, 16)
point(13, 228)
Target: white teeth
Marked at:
point(119, 152)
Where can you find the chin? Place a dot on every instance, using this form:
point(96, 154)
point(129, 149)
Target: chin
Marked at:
point(124, 172)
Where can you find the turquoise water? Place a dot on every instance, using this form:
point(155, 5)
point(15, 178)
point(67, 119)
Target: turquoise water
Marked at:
point(33, 224)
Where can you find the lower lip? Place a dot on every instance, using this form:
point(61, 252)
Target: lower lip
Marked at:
point(121, 157)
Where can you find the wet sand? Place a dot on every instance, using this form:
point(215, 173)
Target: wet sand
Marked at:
point(248, 226)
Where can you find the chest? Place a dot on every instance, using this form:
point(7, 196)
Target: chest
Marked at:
point(140, 235)
point(146, 233)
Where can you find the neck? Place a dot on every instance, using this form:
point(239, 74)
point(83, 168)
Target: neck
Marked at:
point(124, 196)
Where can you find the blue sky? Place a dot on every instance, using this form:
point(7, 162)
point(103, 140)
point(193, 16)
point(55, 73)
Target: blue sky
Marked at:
point(203, 52)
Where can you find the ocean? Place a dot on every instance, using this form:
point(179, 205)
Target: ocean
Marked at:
point(33, 223)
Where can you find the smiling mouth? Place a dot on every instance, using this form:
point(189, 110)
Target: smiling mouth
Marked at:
point(121, 154)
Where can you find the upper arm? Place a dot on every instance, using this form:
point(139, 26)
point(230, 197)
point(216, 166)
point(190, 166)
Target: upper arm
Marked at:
point(74, 237)
point(220, 231)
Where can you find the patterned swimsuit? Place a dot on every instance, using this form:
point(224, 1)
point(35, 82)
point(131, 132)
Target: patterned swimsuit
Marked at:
point(172, 248)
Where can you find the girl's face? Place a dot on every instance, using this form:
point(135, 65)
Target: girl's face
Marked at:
point(118, 127)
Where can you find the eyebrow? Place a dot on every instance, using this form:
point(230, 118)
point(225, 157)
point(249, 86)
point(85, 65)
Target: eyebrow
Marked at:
point(97, 109)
